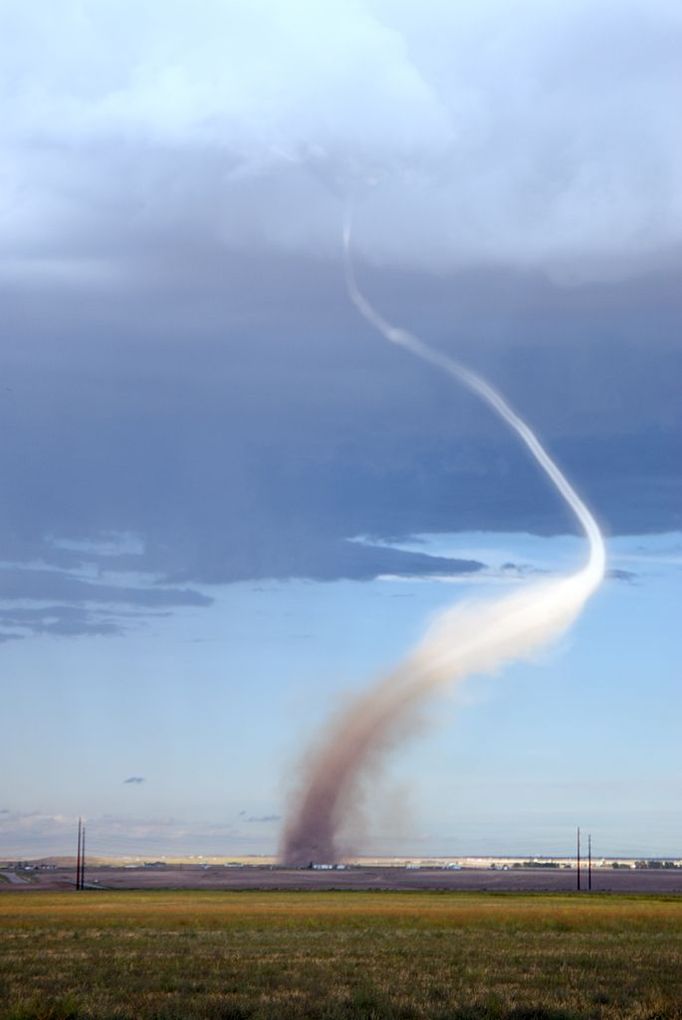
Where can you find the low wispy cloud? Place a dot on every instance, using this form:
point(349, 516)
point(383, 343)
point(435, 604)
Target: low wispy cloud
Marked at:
point(22, 583)
point(244, 816)
point(617, 574)
point(37, 834)
point(61, 620)
point(80, 606)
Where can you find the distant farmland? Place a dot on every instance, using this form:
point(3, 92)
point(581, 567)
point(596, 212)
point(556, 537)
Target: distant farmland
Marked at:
point(334, 955)
point(166, 876)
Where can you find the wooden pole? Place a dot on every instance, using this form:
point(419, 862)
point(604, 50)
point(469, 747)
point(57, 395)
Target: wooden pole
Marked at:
point(578, 860)
point(83, 858)
point(589, 861)
point(78, 856)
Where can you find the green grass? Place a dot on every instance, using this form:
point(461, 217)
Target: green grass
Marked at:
point(333, 956)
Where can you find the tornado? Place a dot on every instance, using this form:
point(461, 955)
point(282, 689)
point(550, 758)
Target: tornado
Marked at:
point(465, 639)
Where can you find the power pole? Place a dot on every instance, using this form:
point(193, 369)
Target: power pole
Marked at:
point(578, 860)
point(589, 861)
point(78, 855)
point(83, 857)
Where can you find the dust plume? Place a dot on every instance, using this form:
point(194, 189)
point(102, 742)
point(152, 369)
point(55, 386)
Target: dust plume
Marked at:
point(467, 638)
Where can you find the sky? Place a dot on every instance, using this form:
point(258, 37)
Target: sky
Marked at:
point(226, 504)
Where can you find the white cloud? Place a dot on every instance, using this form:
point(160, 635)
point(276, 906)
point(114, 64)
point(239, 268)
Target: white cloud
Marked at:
point(537, 134)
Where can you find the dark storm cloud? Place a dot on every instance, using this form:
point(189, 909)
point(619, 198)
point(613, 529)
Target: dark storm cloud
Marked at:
point(314, 556)
point(179, 360)
point(238, 450)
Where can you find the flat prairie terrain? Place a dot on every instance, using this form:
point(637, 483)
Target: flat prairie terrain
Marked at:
point(193, 876)
point(156, 955)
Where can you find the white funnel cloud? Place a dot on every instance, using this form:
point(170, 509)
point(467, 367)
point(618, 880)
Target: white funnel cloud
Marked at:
point(465, 639)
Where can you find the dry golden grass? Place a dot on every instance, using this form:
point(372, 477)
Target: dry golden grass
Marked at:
point(338, 955)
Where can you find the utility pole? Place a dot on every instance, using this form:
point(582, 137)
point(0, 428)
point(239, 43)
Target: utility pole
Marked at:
point(83, 857)
point(578, 860)
point(589, 861)
point(78, 855)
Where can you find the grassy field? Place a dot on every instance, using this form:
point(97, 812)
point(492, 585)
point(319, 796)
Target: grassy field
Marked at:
point(186, 955)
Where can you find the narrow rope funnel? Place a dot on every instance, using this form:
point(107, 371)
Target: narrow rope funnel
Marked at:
point(467, 638)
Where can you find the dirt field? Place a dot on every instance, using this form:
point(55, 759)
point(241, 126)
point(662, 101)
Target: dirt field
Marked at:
point(358, 878)
point(340, 955)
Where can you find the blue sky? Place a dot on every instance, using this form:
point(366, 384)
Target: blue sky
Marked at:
point(211, 708)
point(197, 430)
